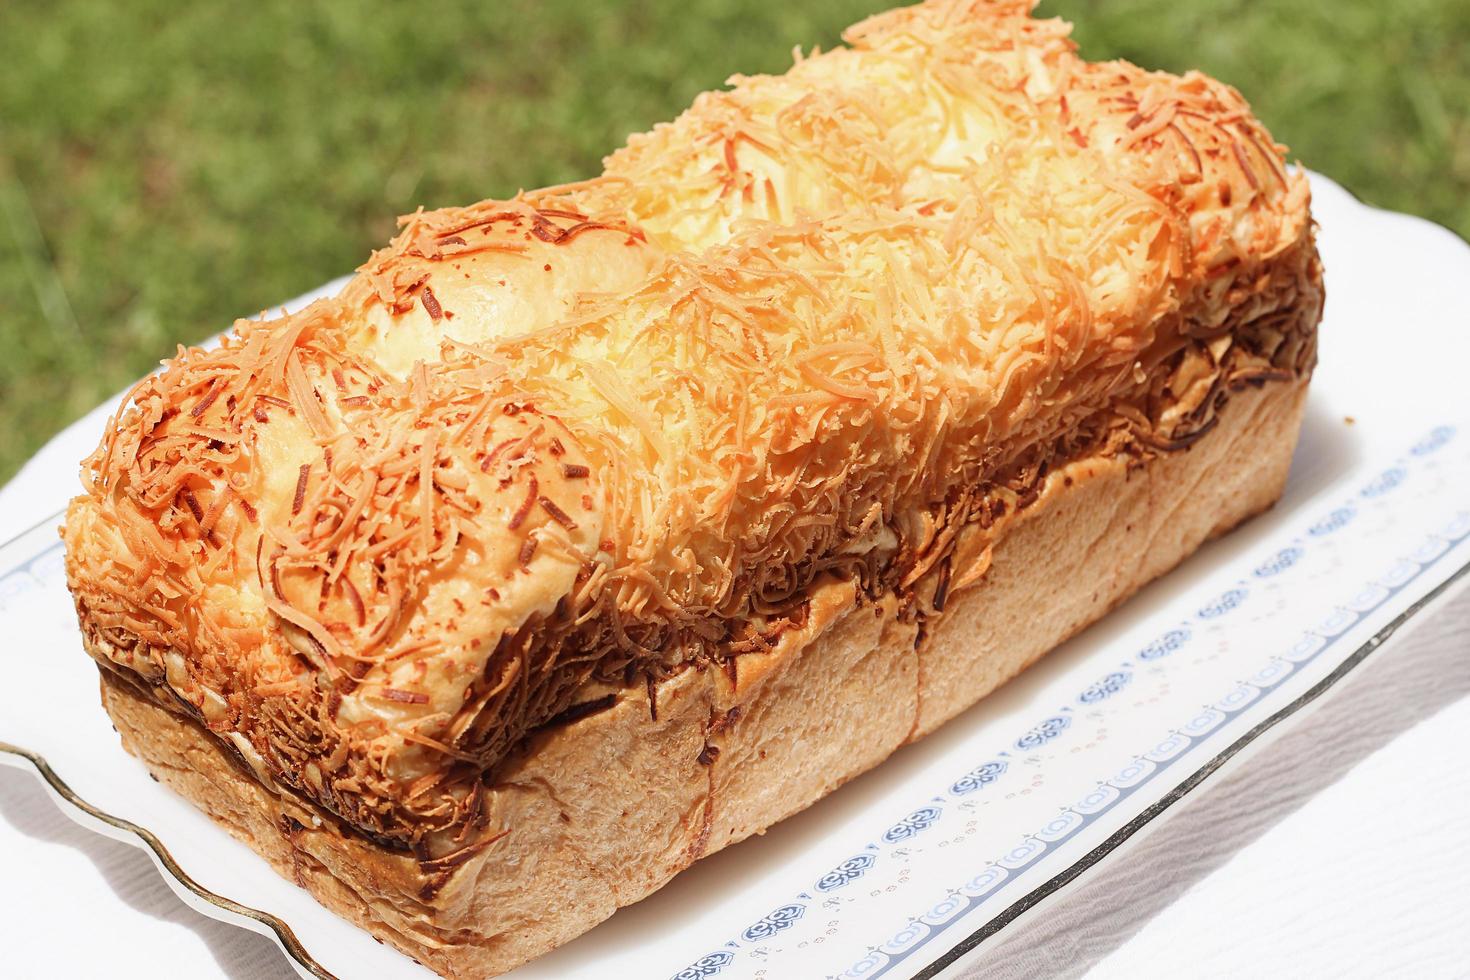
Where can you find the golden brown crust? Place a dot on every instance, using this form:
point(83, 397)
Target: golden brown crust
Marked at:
point(599, 812)
point(838, 323)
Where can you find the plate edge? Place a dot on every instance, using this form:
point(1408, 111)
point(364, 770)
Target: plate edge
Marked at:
point(284, 935)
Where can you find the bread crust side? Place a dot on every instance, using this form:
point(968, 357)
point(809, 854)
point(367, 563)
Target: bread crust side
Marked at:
point(601, 812)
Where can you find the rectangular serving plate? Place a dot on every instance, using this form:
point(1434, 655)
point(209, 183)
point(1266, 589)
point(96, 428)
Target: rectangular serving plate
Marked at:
point(909, 868)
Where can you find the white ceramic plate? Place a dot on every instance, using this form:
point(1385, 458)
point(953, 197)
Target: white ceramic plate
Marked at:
point(908, 868)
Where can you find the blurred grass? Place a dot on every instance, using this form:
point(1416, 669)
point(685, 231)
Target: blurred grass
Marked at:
point(165, 168)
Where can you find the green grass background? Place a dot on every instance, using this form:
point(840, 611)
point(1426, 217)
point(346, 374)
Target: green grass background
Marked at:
point(167, 167)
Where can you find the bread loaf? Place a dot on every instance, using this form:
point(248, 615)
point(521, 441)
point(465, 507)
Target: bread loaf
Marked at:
point(523, 566)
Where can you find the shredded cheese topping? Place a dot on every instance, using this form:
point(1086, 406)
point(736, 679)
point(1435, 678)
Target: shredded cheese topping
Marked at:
point(607, 428)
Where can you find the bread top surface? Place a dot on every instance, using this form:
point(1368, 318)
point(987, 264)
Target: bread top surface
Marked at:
point(605, 430)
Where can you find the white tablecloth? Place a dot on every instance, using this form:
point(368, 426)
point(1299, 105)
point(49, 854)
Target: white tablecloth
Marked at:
point(1348, 861)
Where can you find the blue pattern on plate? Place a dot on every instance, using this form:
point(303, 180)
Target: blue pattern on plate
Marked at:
point(982, 775)
point(1279, 562)
point(1335, 521)
point(846, 872)
point(1223, 603)
point(1043, 733)
point(1165, 645)
point(1105, 688)
point(915, 823)
point(1384, 482)
point(945, 910)
point(705, 966)
point(778, 921)
point(1433, 442)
